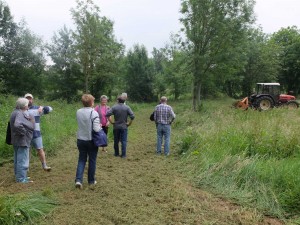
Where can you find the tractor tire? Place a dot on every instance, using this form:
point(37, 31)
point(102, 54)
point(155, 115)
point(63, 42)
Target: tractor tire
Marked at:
point(264, 103)
point(292, 104)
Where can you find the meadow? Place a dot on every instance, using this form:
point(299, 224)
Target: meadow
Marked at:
point(248, 158)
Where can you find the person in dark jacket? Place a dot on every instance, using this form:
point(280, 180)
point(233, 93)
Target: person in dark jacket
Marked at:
point(22, 126)
point(120, 112)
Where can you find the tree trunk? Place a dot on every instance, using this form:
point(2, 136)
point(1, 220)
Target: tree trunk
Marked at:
point(197, 96)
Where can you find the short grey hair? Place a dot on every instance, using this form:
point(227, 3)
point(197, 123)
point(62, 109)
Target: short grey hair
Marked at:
point(163, 99)
point(21, 103)
point(103, 97)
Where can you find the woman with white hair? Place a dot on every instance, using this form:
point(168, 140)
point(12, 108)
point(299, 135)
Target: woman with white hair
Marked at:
point(22, 126)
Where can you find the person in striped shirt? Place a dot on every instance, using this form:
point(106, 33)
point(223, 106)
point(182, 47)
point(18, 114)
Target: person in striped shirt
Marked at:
point(37, 141)
point(163, 117)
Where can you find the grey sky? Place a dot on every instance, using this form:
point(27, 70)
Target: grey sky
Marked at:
point(148, 22)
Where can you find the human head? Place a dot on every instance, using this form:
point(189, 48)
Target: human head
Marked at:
point(30, 98)
point(163, 99)
point(124, 96)
point(120, 99)
point(87, 100)
point(22, 103)
point(103, 99)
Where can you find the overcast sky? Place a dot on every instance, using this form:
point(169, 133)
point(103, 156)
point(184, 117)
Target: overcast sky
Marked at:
point(148, 22)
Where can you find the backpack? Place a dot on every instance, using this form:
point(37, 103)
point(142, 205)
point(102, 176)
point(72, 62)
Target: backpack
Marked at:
point(152, 116)
point(8, 134)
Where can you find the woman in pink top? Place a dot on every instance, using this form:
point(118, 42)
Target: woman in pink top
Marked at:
point(102, 110)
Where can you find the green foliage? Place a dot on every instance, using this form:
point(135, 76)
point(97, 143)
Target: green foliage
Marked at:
point(250, 156)
point(95, 46)
point(139, 75)
point(288, 40)
point(64, 78)
point(18, 209)
point(22, 61)
point(212, 28)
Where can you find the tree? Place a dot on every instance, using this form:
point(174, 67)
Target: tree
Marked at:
point(159, 83)
point(22, 61)
point(288, 40)
point(211, 27)
point(256, 61)
point(139, 75)
point(176, 72)
point(64, 76)
point(94, 42)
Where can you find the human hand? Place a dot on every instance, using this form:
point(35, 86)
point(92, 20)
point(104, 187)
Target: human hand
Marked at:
point(40, 109)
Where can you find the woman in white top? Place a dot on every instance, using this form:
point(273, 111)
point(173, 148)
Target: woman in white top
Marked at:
point(87, 149)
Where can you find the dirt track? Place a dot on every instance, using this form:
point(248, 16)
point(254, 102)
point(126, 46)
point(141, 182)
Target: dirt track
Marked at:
point(142, 189)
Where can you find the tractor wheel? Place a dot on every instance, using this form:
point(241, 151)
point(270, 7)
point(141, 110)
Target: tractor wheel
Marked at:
point(264, 103)
point(292, 104)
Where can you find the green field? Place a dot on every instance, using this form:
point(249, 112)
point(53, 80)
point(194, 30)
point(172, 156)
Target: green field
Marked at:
point(246, 161)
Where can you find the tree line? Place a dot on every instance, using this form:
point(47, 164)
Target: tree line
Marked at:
point(219, 51)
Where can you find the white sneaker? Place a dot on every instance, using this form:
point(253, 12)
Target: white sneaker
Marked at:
point(78, 185)
point(47, 168)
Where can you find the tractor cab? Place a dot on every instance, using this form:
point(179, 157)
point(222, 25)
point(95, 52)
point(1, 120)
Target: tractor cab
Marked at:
point(271, 90)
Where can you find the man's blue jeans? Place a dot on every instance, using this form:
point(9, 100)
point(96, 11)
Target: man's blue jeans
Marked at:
point(21, 162)
point(120, 135)
point(87, 150)
point(163, 131)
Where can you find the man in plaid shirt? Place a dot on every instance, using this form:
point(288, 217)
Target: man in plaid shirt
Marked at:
point(163, 117)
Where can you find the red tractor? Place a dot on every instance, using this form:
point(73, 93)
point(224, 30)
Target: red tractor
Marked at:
point(266, 97)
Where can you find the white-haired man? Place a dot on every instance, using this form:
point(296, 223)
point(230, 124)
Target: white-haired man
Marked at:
point(37, 141)
point(163, 116)
point(22, 126)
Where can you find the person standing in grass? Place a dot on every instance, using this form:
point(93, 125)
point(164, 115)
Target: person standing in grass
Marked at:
point(102, 109)
point(121, 112)
point(22, 126)
point(124, 96)
point(163, 117)
point(37, 140)
point(87, 119)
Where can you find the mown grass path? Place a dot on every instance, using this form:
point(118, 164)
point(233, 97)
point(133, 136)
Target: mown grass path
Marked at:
point(143, 189)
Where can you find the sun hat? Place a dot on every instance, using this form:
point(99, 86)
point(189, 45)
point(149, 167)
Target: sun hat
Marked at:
point(28, 95)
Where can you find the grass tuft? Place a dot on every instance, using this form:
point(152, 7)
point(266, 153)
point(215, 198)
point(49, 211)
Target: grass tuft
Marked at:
point(19, 209)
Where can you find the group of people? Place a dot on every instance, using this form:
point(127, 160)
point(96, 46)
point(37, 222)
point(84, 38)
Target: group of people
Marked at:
point(25, 132)
point(100, 117)
point(90, 118)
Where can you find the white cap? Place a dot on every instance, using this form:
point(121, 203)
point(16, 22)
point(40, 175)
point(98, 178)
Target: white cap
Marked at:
point(28, 95)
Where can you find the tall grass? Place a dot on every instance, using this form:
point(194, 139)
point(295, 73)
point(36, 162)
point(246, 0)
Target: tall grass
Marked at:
point(20, 209)
point(250, 156)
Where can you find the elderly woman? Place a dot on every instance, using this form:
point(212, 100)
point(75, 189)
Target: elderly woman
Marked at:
point(102, 109)
point(87, 119)
point(22, 126)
